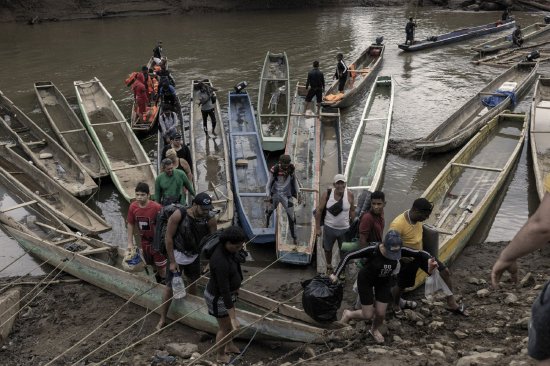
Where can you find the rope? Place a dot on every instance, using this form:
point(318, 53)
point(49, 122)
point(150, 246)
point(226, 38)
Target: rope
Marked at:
point(101, 325)
point(12, 283)
point(324, 353)
point(15, 260)
point(241, 354)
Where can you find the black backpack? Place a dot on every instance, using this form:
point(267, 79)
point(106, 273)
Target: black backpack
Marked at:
point(159, 244)
point(209, 244)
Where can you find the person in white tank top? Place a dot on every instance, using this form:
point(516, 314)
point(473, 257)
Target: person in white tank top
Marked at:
point(339, 209)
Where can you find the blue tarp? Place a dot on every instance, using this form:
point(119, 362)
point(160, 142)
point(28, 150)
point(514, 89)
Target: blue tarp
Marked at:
point(494, 100)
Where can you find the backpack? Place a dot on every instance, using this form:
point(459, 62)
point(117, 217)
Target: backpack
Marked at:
point(209, 244)
point(159, 244)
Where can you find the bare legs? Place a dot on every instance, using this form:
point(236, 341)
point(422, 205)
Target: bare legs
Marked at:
point(376, 311)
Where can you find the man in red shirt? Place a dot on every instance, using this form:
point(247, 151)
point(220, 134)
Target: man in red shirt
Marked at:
point(371, 225)
point(142, 214)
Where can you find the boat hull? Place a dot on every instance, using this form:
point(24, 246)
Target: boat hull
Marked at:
point(539, 133)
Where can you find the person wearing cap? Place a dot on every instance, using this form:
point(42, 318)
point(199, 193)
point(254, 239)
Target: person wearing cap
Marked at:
point(280, 189)
point(335, 211)
point(157, 53)
point(409, 226)
point(168, 121)
point(171, 183)
point(176, 143)
point(184, 231)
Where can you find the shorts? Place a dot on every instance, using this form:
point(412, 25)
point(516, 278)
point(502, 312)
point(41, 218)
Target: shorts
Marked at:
point(216, 306)
point(369, 289)
point(192, 271)
point(314, 92)
point(407, 273)
point(539, 332)
point(331, 235)
point(151, 256)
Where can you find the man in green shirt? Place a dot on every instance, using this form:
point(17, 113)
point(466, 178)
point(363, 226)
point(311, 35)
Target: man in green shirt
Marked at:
point(170, 184)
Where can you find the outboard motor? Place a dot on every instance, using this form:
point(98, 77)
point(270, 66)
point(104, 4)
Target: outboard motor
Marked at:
point(533, 55)
point(240, 86)
point(379, 40)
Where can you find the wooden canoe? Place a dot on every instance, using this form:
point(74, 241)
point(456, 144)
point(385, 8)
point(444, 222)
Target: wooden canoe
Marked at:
point(303, 147)
point(43, 150)
point(330, 149)
point(121, 151)
point(99, 264)
point(508, 58)
point(458, 35)
point(250, 173)
point(366, 65)
point(469, 118)
point(274, 102)
point(466, 187)
point(69, 130)
point(530, 32)
point(365, 163)
point(539, 133)
point(40, 187)
point(210, 153)
point(9, 307)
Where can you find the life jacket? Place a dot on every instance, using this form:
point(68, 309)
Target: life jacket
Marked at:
point(131, 78)
point(190, 233)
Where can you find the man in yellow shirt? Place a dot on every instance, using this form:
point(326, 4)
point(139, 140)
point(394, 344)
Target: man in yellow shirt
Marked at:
point(409, 226)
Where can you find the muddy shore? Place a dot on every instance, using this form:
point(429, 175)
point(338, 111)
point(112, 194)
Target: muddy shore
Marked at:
point(494, 334)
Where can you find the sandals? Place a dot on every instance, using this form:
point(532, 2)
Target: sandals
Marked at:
point(460, 310)
point(378, 338)
point(398, 314)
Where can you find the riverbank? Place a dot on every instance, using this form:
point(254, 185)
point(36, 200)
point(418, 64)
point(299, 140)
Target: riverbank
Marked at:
point(495, 333)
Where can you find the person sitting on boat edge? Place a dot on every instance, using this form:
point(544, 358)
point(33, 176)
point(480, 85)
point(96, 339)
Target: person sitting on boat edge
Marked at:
point(176, 143)
point(171, 183)
point(222, 289)
point(409, 226)
point(517, 36)
point(316, 84)
point(281, 188)
point(207, 104)
point(141, 215)
point(409, 31)
point(341, 73)
point(184, 231)
point(338, 208)
point(534, 234)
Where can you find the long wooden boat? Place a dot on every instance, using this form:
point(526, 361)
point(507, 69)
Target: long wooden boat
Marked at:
point(539, 132)
point(250, 173)
point(365, 163)
point(458, 35)
point(466, 187)
point(98, 263)
point(210, 153)
point(363, 71)
point(530, 32)
point(508, 58)
point(274, 102)
point(121, 151)
point(303, 148)
point(330, 147)
point(69, 130)
point(43, 150)
point(41, 188)
point(467, 120)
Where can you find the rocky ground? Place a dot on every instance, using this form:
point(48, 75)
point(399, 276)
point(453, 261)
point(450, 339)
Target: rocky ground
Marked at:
point(494, 334)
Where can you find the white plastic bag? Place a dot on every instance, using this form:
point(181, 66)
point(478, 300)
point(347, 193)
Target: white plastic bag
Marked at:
point(434, 284)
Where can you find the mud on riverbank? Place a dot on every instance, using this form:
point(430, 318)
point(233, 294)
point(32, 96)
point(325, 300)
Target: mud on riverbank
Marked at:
point(497, 327)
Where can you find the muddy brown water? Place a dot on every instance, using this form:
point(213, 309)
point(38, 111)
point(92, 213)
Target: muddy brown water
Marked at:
point(229, 48)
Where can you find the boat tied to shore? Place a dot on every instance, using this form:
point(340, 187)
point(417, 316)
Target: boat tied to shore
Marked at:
point(538, 133)
point(530, 32)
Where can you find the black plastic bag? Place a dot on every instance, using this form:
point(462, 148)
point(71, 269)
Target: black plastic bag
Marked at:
point(321, 298)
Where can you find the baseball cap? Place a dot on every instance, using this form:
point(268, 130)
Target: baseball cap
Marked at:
point(393, 245)
point(339, 177)
point(203, 199)
point(176, 136)
point(284, 159)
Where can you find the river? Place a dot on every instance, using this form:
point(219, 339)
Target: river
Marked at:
point(230, 47)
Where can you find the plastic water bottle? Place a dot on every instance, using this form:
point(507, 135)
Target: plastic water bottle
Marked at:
point(178, 287)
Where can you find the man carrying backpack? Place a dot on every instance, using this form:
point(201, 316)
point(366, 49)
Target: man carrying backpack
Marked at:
point(184, 232)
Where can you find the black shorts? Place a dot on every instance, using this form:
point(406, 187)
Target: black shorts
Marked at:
point(216, 306)
point(192, 271)
point(314, 92)
point(407, 273)
point(370, 289)
point(539, 332)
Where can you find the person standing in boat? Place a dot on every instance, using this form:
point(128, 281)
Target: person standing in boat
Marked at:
point(183, 152)
point(316, 87)
point(409, 227)
point(506, 14)
point(184, 231)
point(281, 188)
point(179, 163)
point(534, 235)
point(168, 120)
point(141, 215)
point(140, 96)
point(341, 73)
point(207, 104)
point(517, 36)
point(337, 207)
point(167, 95)
point(157, 53)
point(409, 31)
point(170, 185)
